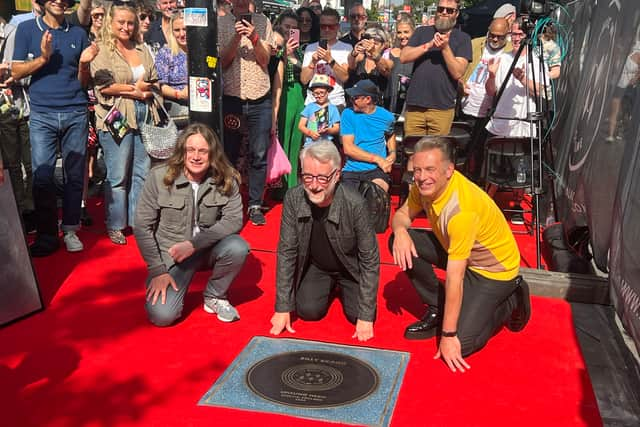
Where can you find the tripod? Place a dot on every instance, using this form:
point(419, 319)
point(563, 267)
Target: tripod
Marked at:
point(535, 117)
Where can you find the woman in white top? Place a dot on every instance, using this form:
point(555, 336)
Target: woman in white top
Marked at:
point(125, 78)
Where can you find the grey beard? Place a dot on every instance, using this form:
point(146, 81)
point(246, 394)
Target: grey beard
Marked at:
point(444, 25)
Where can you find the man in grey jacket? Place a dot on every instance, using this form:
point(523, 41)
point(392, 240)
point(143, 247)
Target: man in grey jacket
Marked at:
point(326, 239)
point(187, 219)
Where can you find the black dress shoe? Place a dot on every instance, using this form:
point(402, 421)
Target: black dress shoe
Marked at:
point(521, 314)
point(44, 245)
point(424, 328)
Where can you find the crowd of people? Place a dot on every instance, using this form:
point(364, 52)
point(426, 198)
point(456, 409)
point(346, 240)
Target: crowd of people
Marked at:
point(333, 102)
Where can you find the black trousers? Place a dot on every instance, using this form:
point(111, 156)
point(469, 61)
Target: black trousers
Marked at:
point(314, 294)
point(486, 304)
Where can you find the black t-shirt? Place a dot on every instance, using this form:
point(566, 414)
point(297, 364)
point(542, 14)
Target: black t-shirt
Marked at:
point(350, 39)
point(322, 254)
point(155, 36)
point(431, 84)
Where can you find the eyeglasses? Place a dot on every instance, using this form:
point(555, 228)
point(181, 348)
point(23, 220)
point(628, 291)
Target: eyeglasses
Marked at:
point(448, 10)
point(97, 15)
point(497, 36)
point(319, 94)
point(356, 16)
point(307, 178)
point(328, 26)
point(202, 151)
point(315, 7)
point(145, 16)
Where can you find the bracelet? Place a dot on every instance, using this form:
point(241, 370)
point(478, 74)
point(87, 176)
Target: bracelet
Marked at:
point(311, 66)
point(254, 38)
point(356, 53)
point(332, 63)
point(448, 334)
point(425, 46)
point(176, 94)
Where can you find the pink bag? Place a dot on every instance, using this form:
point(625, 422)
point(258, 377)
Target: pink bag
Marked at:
point(277, 162)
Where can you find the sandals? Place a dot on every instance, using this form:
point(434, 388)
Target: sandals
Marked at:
point(117, 237)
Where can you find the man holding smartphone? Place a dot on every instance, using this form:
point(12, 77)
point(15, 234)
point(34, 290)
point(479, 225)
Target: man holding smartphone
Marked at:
point(329, 56)
point(245, 39)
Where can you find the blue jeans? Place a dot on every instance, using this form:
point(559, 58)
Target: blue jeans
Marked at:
point(127, 166)
point(258, 117)
point(226, 258)
point(47, 130)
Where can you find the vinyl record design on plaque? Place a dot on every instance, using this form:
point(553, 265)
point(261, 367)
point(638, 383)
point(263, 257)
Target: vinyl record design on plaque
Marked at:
point(312, 379)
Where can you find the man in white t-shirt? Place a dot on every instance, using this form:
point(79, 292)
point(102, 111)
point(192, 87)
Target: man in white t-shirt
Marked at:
point(476, 102)
point(518, 97)
point(331, 60)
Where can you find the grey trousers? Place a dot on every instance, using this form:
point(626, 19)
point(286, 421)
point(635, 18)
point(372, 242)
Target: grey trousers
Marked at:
point(226, 258)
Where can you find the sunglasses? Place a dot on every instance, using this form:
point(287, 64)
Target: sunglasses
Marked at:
point(448, 10)
point(328, 26)
point(97, 15)
point(145, 16)
point(315, 7)
point(496, 36)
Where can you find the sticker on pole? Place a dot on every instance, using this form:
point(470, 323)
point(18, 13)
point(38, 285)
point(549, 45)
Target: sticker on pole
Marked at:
point(200, 94)
point(195, 17)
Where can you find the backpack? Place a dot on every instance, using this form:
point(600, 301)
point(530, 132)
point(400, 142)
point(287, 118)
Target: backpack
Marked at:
point(378, 205)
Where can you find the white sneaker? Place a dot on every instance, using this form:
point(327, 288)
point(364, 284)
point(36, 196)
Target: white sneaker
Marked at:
point(226, 312)
point(72, 242)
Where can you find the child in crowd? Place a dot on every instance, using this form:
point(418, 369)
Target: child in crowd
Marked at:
point(320, 119)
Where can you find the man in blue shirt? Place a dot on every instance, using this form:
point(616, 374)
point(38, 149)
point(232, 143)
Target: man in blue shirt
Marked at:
point(56, 55)
point(367, 138)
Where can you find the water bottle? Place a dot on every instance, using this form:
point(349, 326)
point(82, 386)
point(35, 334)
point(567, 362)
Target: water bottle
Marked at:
point(521, 171)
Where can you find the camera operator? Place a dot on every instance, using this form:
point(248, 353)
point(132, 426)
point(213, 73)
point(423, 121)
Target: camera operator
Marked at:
point(509, 119)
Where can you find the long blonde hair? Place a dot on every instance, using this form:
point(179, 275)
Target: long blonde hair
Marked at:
point(171, 41)
point(108, 38)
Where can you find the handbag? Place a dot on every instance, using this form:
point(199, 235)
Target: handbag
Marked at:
point(116, 124)
point(159, 139)
point(378, 205)
point(277, 161)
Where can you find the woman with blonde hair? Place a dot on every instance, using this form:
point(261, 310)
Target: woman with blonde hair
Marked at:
point(171, 63)
point(124, 75)
point(398, 74)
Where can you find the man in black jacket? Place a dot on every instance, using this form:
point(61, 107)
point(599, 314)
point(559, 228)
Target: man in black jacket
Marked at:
point(326, 239)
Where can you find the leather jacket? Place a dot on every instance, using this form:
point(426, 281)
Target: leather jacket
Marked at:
point(164, 217)
point(350, 234)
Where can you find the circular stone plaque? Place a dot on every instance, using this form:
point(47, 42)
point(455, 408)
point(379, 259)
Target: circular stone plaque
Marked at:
point(312, 379)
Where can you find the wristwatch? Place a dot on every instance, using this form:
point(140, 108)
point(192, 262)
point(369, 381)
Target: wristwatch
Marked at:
point(449, 334)
point(332, 63)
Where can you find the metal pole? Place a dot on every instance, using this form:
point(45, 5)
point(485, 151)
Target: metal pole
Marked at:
point(205, 84)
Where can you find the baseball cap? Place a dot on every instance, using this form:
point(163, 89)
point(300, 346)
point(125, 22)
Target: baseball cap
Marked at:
point(363, 88)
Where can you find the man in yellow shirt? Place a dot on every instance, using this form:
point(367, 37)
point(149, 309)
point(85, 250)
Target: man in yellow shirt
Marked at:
point(472, 241)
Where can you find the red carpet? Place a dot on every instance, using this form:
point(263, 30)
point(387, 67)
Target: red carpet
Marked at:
point(91, 358)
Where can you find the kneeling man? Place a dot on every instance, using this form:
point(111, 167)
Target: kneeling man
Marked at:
point(472, 241)
point(187, 219)
point(326, 239)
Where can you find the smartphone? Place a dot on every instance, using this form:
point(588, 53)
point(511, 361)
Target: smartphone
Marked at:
point(246, 17)
point(294, 34)
point(323, 43)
